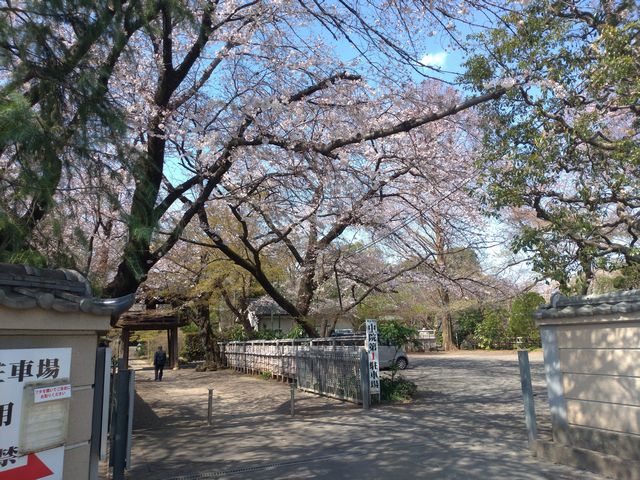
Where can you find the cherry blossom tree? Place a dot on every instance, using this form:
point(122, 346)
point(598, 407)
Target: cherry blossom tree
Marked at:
point(316, 204)
point(254, 114)
point(220, 101)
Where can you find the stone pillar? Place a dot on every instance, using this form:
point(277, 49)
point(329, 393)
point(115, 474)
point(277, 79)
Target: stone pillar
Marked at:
point(555, 386)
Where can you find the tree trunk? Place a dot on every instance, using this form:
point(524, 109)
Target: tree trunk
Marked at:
point(447, 333)
point(241, 311)
point(307, 283)
point(447, 325)
point(443, 291)
point(142, 221)
point(212, 356)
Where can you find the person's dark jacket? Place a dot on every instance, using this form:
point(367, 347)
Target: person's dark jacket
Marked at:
point(159, 359)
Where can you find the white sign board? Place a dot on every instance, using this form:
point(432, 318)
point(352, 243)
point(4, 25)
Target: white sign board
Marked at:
point(371, 346)
point(20, 368)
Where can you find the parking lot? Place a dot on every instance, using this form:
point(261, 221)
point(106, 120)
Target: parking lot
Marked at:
point(467, 422)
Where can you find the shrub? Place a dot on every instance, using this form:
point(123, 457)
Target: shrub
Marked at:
point(141, 350)
point(236, 333)
point(193, 348)
point(521, 323)
point(266, 375)
point(296, 332)
point(491, 332)
point(190, 327)
point(266, 335)
point(469, 343)
point(629, 278)
point(397, 389)
point(466, 323)
point(396, 333)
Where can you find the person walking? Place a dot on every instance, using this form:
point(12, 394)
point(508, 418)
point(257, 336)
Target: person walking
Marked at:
point(159, 360)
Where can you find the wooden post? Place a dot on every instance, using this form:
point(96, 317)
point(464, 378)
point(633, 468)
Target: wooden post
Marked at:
point(293, 398)
point(174, 348)
point(120, 421)
point(210, 407)
point(527, 396)
point(125, 347)
point(169, 348)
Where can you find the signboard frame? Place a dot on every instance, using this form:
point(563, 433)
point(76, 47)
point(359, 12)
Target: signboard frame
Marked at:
point(31, 408)
point(373, 355)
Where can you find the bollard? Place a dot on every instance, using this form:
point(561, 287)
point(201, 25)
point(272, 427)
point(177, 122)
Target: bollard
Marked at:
point(527, 396)
point(210, 409)
point(293, 398)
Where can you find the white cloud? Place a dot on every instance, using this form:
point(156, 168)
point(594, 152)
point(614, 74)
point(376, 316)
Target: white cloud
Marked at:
point(438, 59)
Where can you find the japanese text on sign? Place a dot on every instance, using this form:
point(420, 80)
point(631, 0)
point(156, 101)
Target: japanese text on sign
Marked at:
point(46, 394)
point(18, 369)
point(374, 361)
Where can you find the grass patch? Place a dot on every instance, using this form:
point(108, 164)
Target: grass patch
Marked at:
point(266, 375)
point(397, 389)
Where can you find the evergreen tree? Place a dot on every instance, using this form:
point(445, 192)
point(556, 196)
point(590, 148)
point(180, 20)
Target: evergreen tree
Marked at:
point(562, 150)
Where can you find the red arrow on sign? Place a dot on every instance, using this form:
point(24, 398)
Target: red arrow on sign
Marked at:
point(33, 470)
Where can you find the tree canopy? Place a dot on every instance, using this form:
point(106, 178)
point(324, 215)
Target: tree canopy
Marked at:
point(144, 114)
point(313, 147)
point(561, 151)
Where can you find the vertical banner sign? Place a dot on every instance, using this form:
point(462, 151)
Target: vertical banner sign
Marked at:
point(372, 350)
point(36, 380)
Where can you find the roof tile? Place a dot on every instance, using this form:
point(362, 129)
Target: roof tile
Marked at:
point(24, 287)
point(590, 305)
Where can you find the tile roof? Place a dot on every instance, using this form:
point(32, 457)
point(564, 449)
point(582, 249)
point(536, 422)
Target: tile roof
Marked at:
point(23, 287)
point(265, 305)
point(153, 319)
point(590, 305)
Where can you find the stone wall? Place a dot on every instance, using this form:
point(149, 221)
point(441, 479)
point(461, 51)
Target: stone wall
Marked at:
point(592, 365)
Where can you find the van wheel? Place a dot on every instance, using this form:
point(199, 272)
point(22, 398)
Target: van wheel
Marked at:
point(402, 363)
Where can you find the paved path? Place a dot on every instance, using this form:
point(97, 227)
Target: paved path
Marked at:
point(467, 423)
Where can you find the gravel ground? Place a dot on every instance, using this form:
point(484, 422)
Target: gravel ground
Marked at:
point(467, 422)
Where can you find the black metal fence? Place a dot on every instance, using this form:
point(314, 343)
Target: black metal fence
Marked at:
point(332, 373)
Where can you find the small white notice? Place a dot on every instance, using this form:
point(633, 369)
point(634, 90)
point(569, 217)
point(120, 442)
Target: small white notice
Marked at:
point(46, 394)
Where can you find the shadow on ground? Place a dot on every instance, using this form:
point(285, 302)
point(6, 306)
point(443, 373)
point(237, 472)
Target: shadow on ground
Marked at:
point(467, 422)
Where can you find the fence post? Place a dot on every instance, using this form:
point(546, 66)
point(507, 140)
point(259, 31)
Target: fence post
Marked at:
point(364, 379)
point(527, 396)
point(120, 422)
point(293, 398)
point(210, 407)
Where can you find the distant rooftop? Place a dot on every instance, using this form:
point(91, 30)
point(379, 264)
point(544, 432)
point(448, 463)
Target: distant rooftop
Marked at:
point(265, 305)
point(23, 287)
point(590, 305)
